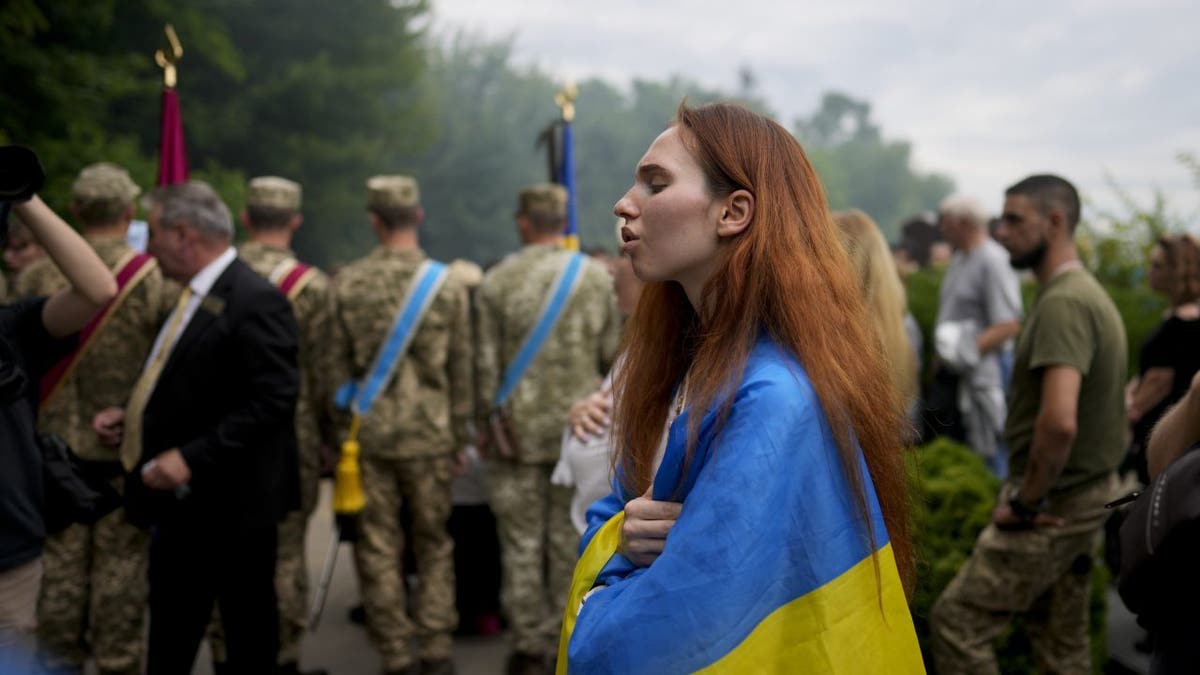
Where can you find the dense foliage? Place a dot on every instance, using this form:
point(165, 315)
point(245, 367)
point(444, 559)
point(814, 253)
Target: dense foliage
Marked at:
point(329, 93)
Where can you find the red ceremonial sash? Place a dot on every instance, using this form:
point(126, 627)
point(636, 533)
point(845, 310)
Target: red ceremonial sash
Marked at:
point(132, 271)
point(296, 279)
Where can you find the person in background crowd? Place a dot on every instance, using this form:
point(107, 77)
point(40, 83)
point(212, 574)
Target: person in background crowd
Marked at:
point(537, 540)
point(979, 313)
point(1170, 355)
point(886, 301)
point(271, 217)
point(20, 251)
point(34, 335)
point(1065, 436)
point(412, 433)
point(586, 461)
point(1174, 636)
point(93, 599)
point(209, 440)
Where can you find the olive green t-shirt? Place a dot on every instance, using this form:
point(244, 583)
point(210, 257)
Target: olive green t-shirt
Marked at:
point(1072, 323)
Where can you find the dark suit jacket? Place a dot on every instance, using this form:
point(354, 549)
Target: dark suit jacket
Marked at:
point(227, 399)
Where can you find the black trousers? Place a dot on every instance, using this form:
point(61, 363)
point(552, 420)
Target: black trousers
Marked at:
point(191, 569)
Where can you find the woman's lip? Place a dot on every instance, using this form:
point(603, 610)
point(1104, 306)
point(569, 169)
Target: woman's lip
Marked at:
point(627, 235)
point(628, 246)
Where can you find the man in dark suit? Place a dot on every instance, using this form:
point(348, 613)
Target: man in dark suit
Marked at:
point(209, 436)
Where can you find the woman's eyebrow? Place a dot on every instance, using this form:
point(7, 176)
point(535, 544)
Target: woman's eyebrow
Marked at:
point(644, 170)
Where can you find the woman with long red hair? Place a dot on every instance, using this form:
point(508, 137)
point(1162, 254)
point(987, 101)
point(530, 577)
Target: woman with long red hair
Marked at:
point(766, 528)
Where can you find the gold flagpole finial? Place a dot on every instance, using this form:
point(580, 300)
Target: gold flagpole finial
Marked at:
point(565, 98)
point(169, 58)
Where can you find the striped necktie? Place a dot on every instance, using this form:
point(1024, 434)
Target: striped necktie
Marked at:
point(131, 443)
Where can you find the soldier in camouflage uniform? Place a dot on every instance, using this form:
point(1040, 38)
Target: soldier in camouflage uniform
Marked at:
point(271, 217)
point(93, 596)
point(411, 433)
point(20, 251)
point(538, 542)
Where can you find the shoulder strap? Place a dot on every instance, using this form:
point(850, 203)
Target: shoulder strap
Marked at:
point(560, 292)
point(290, 276)
point(129, 272)
point(359, 396)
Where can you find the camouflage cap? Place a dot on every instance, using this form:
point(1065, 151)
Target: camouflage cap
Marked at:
point(392, 192)
point(273, 192)
point(543, 198)
point(104, 182)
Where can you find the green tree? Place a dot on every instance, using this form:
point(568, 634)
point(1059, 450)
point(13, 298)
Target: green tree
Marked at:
point(861, 169)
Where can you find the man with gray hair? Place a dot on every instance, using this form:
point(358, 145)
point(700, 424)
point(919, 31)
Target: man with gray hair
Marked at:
point(209, 440)
point(979, 313)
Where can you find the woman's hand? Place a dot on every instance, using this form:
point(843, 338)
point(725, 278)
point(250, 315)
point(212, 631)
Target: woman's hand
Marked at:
point(588, 417)
point(644, 532)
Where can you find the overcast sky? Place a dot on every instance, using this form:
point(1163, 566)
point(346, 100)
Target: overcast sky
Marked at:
point(986, 92)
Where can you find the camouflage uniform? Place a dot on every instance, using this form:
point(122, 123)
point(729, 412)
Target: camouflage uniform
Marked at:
point(94, 590)
point(1044, 573)
point(408, 437)
point(537, 538)
point(314, 313)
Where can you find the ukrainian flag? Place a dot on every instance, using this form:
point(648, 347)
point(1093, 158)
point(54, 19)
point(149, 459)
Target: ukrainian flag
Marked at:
point(566, 178)
point(768, 568)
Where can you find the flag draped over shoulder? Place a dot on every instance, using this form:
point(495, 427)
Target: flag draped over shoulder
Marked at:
point(172, 157)
point(566, 178)
point(768, 568)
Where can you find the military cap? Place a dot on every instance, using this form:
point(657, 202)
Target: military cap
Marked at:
point(547, 199)
point(392, 192)
point(273, 192)
point(104, 182)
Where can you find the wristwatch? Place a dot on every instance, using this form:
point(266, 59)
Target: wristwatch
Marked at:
point(1024, 512)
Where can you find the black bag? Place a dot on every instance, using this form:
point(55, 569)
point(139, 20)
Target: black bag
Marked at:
point(75, 491)
point(1160, 543)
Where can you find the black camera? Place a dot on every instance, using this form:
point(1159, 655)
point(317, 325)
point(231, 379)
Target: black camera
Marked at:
point(21, 176)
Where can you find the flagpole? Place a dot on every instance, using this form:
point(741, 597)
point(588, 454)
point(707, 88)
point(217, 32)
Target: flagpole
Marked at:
point(172, 155)
point(565, 98)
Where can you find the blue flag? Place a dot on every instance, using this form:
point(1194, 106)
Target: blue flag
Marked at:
point(566, 178)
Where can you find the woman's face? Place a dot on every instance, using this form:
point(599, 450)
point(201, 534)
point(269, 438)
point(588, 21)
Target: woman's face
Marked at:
point(1159, 275)
point(20, 251)
point(670, 231)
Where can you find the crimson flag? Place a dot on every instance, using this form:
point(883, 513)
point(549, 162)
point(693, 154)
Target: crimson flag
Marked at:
point(172, 157)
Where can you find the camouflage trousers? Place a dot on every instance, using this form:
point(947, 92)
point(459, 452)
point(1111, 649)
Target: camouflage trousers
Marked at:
point(425, 484)
point(1044, 574)
point(538, 550)
point(291, 574)
point(93, 597)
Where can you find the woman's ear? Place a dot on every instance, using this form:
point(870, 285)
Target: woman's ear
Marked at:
point(736, 213)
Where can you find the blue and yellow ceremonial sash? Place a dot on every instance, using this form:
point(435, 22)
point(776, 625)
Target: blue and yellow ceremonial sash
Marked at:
point(769, 568)
point(560, 292)
point(358, 397)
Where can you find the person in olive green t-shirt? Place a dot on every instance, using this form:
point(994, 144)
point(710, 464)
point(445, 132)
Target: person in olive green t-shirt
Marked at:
point(1066, 436)
point(1073, 324)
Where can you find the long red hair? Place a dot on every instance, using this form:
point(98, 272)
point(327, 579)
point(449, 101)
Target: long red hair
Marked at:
point(786, 274)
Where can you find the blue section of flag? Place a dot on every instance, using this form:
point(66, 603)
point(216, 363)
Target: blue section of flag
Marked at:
point(541, 331)
point(566, 178)
point(768, 520)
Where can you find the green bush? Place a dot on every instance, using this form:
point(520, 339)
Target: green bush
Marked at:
point(953, 497)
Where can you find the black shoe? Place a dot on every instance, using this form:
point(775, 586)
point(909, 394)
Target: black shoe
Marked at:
point(437, 667)
point(358, 615)
point(521, 663)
